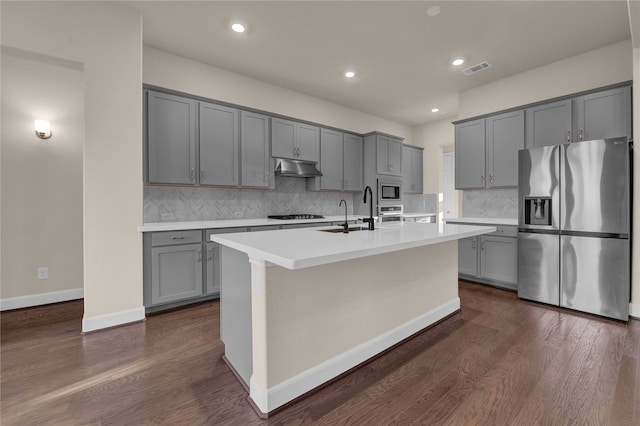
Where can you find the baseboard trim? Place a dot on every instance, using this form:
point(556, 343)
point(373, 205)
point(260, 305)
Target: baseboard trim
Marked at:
point(634, 310)
point(115, 319)
point(41, 299)
point(267, 400)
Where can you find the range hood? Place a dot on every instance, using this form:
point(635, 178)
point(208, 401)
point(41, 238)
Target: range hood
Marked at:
point(296, 168)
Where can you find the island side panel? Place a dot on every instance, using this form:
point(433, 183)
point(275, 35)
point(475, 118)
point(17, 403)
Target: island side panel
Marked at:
point(235, 311)
point(323, 316)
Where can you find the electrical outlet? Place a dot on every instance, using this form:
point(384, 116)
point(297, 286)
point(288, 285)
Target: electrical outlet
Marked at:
point(237, 215)
point(43, 273)
point(166, 216)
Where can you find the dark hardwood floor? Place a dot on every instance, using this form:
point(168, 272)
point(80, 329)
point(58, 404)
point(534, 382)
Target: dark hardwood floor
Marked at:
point(500, 361)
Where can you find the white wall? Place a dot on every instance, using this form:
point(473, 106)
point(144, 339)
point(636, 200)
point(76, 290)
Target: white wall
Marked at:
point(608, 65)
point(107, 39)
point(41, 179)
point(174, 72)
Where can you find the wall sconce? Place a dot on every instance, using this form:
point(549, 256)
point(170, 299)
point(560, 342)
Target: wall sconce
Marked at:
point(43, 129)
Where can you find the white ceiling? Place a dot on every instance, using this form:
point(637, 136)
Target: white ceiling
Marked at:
point(402, 56)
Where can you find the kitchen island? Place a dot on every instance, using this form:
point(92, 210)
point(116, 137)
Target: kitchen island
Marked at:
point(300, 307)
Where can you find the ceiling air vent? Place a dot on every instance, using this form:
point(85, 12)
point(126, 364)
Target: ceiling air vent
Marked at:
point(476, 68)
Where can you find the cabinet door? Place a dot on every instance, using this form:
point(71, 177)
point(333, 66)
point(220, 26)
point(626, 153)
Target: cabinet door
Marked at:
point(395, 156)
point(470, 154)
point(468, 256)
point(406, 174)
point(416, 170)
point(256, 170)
point(382, 155)
point(549, 124)
point(171, 139)
point(213, 268)
point(218, 145)
point(283, 136)
point(353, 158)
point(176, 272)
point(308, 142)
point(602, 115)
point(498, 258)
point(331, 159)
point(505, 137)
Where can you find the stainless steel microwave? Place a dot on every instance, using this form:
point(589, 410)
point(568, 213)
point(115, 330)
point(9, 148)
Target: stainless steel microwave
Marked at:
point(389, 190)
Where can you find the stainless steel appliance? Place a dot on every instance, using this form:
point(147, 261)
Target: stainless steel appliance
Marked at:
point(389, 190)
point(295, 216)
point(574, 226)
point(390, 213)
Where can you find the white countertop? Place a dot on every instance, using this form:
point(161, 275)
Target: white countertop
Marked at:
point(483, 220)
point(232, 223)
point(302, 248)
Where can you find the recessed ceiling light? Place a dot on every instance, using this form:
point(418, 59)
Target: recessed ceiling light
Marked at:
point(239, 28)
point(349, 74)
point(434, 10)
point(458, 61)
point(435, 109)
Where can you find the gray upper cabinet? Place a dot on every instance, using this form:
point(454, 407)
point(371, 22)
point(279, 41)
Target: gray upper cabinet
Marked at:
point(487, 151)
point(505, 137)
point(171, 139)
point(256, 159)
point(388, 155)
point(604, 114)
point(219, 141)
point(470, 154)
point(331, 160)
point(291, 139)
point(412, 170)
point(353, 157)
point(549, 124)
point(340, 162)
point(598, 115)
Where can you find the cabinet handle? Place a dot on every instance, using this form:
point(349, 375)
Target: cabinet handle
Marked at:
point(568, 135)
point(482, 245)
point(482, 179)
point(193, 173)
point(580, 134)
point(177, 238)
point(203, 175)
point(491, 178)
point(473, 244)
point(210, 251)
point(199, 255)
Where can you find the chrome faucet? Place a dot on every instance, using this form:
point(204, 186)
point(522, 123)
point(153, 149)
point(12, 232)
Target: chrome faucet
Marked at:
point(345, 225)
point(370, 219)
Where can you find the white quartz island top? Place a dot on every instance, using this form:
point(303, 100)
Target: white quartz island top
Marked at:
point(302, 248)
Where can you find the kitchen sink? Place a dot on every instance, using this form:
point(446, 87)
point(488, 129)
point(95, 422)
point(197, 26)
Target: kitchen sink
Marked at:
point(341, 229)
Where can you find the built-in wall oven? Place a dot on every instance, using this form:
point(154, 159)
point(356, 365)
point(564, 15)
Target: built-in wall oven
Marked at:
point(389, 191)
point(390, 213)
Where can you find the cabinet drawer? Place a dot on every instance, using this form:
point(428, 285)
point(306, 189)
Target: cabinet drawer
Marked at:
point(176, 237)
point(209, 232)
point(505, 231)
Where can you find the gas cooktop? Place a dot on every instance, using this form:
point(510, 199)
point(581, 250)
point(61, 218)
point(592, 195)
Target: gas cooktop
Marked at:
point(295, 216)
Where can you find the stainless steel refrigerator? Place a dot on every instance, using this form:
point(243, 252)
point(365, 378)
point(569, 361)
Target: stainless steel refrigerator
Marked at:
point(574, 226)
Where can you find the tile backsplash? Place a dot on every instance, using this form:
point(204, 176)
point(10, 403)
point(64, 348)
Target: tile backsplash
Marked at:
point(501, 203)
point(420, 203)
point(168, 204)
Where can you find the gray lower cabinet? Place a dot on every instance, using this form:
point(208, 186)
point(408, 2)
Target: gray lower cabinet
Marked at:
point(490, 258)
point(412, 169)
point(180, 267)
point(170, 139)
